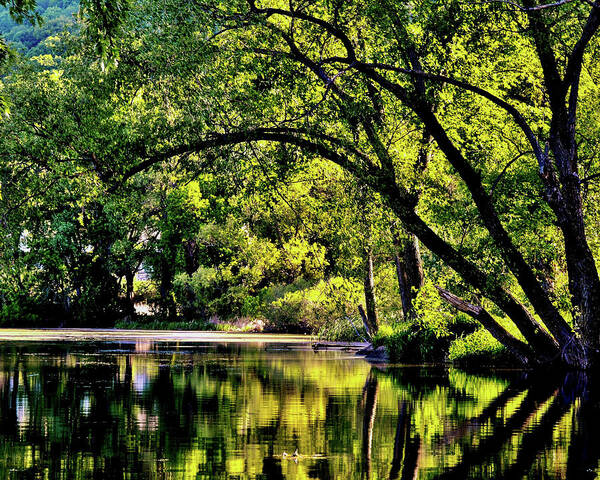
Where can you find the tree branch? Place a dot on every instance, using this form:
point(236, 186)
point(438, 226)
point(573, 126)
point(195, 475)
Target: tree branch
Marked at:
point(573, 70)
point(282, 135)
point(514, 259)
point(519, 349)
point(529, 9)
point(543, 45)
point(333, 30)
point(506, 167)
point(510, 109)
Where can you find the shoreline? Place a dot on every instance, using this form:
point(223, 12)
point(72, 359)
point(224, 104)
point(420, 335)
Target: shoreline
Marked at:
point(164, 336)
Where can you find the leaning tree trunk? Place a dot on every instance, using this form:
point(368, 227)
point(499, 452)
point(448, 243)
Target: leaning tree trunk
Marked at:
point(518, 348)
point(584, 282)
point(409, 271)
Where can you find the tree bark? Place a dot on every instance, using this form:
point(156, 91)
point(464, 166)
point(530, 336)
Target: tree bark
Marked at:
point(129, 303)
point(369, 286)
point(409, 271)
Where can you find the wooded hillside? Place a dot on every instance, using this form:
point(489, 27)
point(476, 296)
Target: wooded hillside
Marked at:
point(26, 38)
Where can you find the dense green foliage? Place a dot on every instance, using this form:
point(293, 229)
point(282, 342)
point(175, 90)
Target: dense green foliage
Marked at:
point(274, 163)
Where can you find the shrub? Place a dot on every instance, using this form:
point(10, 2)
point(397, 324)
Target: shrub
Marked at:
point(413, 342)
point(323, 307)
point(477, 349)
point(144, 291)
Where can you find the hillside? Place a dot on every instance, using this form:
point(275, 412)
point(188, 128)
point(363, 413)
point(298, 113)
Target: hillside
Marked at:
point(26, 38)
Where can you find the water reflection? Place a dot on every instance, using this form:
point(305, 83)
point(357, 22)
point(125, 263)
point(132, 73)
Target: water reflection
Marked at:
point(116, 411)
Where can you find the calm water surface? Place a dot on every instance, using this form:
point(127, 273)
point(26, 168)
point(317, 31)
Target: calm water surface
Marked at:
point(111, 410)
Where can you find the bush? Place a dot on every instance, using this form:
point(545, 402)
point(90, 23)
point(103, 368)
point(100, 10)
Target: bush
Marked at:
point(19, 314)
point(144, 291)
point(323, 307)
point(413, 342)
point(478, 349)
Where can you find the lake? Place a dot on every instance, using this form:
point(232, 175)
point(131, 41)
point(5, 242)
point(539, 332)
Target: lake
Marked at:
point(119, 407)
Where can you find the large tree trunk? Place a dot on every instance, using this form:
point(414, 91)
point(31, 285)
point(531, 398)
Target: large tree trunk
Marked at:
point(561, 178)
point(190, 254)
point(563, 194)
point(129, 303)
point(584, 286)
point(409, 271)
point(370, 313)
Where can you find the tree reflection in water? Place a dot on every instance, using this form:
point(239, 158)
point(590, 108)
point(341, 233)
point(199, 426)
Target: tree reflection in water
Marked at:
point(120, 411)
